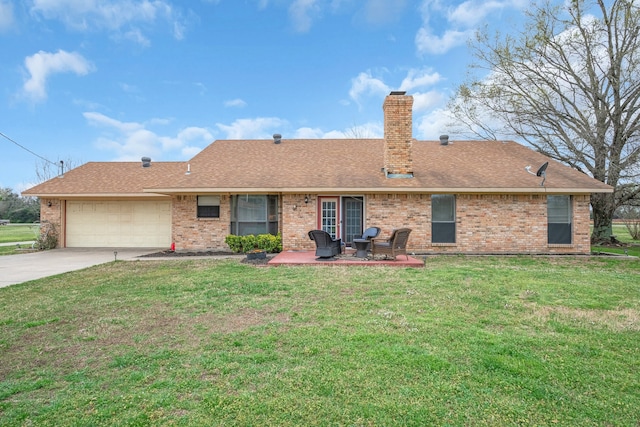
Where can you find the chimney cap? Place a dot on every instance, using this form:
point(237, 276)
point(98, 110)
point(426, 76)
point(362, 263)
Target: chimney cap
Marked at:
point(398, 92)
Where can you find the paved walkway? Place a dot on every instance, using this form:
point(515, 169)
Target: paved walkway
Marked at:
point(36, 265)
point(18, 243)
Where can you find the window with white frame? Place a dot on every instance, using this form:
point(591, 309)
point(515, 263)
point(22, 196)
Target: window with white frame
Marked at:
point(208, 206)
point(559, 219)
point(443, 218)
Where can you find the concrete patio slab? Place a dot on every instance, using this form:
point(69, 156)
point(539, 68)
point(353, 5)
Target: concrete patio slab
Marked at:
point(309, 258)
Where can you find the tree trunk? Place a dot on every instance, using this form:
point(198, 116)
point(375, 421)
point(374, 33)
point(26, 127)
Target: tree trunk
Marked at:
point(603, 205)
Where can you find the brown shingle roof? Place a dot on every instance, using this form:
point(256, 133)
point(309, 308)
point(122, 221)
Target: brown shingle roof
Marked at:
point(355, 165)
point(116, 179)
point(328, 165)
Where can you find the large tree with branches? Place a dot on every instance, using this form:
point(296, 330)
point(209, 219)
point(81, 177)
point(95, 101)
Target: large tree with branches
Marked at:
point(568, 84)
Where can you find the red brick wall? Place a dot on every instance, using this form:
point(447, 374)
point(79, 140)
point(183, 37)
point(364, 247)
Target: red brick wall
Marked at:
point(53, 215)
point(190, 232)
point(298, 218)
point(485, 223)
point(398, 134)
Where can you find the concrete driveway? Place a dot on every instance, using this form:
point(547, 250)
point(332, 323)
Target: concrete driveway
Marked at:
point(24, 267)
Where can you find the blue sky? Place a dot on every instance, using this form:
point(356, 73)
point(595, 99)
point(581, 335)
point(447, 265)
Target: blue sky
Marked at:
point(97, 80)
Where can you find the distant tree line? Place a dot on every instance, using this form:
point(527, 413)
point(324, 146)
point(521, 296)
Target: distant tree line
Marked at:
point(18, 209)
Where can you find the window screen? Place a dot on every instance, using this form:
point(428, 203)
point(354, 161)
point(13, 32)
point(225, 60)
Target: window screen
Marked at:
point(443, 218)
point(254, 214)
point(559, 219)
point(208, 206)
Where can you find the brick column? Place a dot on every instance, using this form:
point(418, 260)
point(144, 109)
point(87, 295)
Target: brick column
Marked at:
point(398, 134)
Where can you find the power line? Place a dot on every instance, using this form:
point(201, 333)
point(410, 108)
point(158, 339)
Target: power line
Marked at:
point(26, 149)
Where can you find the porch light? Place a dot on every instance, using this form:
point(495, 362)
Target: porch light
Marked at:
point(306, 199)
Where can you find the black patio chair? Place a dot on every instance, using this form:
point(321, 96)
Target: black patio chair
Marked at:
point(369, 233)
point(326, 246)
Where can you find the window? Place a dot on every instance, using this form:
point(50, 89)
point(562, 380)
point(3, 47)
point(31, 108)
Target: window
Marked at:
point(443, 218)
point(208, 206)
point(559, 219)
point(254, 214)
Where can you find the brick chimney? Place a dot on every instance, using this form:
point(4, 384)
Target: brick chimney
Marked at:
point(398, 135)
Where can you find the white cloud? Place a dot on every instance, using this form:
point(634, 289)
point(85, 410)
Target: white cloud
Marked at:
point(414, 82)
point(308, 133)
point(366, 85)
point(186, 138)
point(258, 128)
point(42, 64)
point(383, 11)
point(428, 43)
point(302, 13)
point(367, 130)
point(135, 36)
point(132, 140)
point(83, 15)
point(179, 29)
point(127, 88)
point(472, 12)
point(460, 22)
point(434, 124)
point(6, 15)
point(316, 133)
point(236, 103)
point(99, 119)
point(419, 78)
point(427, 100)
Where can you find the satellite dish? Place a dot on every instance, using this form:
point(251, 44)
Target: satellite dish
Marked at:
point(542, 171)
point(543, 168)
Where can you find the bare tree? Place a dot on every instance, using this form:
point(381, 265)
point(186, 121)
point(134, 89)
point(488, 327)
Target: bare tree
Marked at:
point(45, 170)
point(568, 84)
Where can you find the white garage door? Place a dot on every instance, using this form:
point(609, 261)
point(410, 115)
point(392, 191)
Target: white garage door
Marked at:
point(110, 224)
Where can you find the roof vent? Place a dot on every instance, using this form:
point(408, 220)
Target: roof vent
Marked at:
point(277, 138)
point(146, 162)
point(444, 139)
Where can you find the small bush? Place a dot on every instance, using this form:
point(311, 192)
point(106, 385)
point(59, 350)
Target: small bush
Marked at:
point(48, 238)
point(631, 219)
point(243, 244)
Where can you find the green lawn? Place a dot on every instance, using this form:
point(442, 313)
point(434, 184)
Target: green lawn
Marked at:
point(470, 341)
point(622, 234)
point(19, 233)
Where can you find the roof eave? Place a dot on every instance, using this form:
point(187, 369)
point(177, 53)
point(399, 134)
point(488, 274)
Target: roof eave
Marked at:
point(448, 190)
point(95, 195)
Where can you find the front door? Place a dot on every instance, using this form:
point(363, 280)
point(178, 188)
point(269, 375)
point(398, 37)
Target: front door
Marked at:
point(329, 215)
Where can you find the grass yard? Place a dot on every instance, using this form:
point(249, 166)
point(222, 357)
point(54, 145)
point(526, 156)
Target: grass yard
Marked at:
point(473, 341)
point(622, 234)
point(19, 233)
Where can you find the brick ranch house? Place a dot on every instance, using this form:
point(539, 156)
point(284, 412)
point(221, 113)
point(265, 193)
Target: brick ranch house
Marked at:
point(456, 196)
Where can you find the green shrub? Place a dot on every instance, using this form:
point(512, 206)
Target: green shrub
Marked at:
point(266, 242)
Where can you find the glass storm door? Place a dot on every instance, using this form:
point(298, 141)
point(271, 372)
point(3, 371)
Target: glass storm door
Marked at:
point(352, 208)
point(329, 215)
